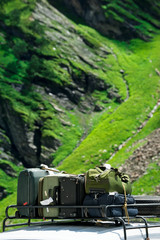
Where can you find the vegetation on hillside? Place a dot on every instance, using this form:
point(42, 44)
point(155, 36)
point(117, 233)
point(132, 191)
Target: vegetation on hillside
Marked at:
point(70, 85)
point(139, 61)
point(140, 18)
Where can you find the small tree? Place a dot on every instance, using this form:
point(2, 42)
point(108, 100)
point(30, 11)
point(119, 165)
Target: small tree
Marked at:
point(19, 48)
point(34, 66)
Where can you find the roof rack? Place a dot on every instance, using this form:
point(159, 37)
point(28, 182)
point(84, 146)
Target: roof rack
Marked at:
point(117, 220)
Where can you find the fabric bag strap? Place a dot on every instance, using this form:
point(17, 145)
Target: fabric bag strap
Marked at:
point(99, 170)
point(125, 203)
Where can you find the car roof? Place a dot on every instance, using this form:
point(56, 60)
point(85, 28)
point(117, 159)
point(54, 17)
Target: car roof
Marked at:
point(79, 231)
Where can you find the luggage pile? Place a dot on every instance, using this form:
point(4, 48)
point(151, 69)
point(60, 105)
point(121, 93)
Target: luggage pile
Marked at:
point(102, 193)
point(98, 187)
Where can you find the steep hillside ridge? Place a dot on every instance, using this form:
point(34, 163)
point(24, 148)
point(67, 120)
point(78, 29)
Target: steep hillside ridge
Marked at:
point(57, 71)
point(118, 19)
point(139, 65)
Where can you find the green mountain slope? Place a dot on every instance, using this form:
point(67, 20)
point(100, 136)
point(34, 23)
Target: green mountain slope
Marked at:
point(143, 82)
point(79, 86)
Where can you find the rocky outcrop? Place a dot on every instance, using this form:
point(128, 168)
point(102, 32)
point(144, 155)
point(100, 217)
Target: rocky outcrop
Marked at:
point(5, 147)
point(137, 164)
point(80, 50)
point(21, 137)
point(113, 94)
point(70, 85)
point(115, 20)
point(26, 145)
point(7, 169)
point(49, 145)
point(3, 193)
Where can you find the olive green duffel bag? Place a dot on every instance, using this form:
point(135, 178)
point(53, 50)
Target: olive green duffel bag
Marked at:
point(109, 180)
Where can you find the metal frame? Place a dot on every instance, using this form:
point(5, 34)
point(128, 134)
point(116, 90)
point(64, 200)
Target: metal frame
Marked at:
point(117, 220)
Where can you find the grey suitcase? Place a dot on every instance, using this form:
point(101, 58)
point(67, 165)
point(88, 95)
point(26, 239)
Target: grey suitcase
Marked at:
point(27, 191)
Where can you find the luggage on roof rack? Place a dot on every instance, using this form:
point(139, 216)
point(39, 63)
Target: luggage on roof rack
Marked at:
point(109, 200)
point(27, 190)
point(60, 196)
point(71, 192)
point(143, 223)
point(61, 190)
point(105, 181)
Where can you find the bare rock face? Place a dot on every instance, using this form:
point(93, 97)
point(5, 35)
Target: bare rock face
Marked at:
point(113, 94)
point(117, 25)
point(93, 14)
point(49, 146)
point(5, 141)
point(7, 169)
point(3, 193)
point(89, 10)
point(18, 132)
point(26, 144)
point(5, 146)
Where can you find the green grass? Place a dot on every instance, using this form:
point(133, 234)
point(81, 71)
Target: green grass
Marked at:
point(147, 183)
point(116, 128)
point(69, 136)
point(10, 184)
point(10, 200)
point(136, 141)
point(7, 181)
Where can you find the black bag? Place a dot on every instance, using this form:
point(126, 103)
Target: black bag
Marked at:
point(108, 199)
point(71, 192)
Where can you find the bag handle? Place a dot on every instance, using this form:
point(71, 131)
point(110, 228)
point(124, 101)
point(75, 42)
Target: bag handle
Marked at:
point(45, 167)
point(123, 177)
point(54, 194)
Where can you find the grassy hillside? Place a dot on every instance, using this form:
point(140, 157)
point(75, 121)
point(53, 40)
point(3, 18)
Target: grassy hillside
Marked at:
point(139, 61)
point(71, 97)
